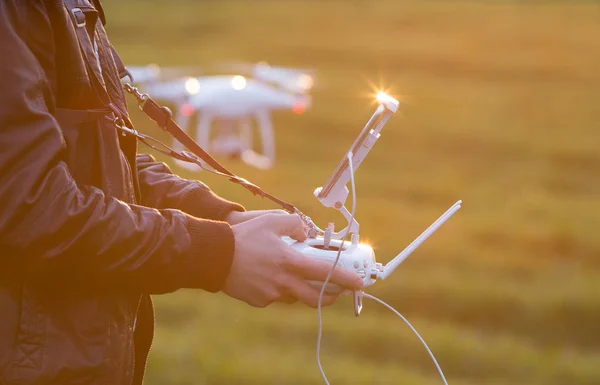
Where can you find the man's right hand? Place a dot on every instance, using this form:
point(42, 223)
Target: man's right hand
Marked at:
point(265, 269)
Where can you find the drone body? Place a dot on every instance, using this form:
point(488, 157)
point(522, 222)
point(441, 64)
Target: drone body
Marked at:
point(294, 80)
point(234, 103)
point(230, 106)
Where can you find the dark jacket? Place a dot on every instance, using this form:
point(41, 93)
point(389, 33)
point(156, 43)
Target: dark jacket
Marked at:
point(89, 228)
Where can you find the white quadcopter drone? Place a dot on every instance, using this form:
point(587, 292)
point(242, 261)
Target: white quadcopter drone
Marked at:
point(329, 245)
point(233, 102)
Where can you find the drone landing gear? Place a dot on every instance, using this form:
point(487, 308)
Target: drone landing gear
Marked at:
point(238, 143)
point(233, 138)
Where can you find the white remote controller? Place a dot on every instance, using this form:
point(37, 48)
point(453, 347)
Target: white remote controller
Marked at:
point(359, 258)
point(355, 256)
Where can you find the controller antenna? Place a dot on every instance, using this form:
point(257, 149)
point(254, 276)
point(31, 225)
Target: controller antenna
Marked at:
point(327, 235)
point(386, 270)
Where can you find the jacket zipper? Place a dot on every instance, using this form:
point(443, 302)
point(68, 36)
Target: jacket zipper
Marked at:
point(134, 200)
point(137, 309)
point(130, 181)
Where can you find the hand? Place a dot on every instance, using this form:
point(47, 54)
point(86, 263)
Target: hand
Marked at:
point(266, 270)
point(237, 217)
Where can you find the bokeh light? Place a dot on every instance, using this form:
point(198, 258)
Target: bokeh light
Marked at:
point(238, 82)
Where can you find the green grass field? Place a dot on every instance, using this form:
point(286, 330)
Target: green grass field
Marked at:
point(500, 108)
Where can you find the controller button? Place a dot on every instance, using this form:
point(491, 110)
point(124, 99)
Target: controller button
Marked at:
point(356, 265)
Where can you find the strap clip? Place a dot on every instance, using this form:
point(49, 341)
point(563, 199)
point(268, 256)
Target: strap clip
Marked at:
point(140, 97)
point(79, 17)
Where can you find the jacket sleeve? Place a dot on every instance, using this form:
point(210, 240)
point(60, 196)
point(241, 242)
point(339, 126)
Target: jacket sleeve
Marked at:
point(163, 189)
point(58, 230)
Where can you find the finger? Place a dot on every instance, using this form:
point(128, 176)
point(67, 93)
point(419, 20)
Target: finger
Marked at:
point(260, 213)
point(329, 299)
point(306, 293)
point(276, 212)
point(288, 299)
point(317, 270)
point(290, 225)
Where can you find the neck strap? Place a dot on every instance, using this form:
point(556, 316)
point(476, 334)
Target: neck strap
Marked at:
point(163, 118)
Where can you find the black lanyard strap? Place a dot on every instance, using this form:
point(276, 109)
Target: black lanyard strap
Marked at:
point(163, 118)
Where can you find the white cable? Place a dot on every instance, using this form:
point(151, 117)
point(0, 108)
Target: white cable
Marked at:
point(412, 328)
point(349, 156)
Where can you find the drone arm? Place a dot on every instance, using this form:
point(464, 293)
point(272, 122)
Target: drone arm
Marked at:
point(394, 263)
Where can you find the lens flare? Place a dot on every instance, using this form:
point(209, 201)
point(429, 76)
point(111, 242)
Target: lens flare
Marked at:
point(381, 96)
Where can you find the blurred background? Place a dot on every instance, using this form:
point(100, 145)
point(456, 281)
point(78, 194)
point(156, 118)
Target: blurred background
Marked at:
point(500, 107)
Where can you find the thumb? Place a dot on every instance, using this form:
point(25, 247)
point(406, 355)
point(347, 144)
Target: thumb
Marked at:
point(290, 225)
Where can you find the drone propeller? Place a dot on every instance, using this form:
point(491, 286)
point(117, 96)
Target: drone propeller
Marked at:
point(296, 80)
point(153, 73)
point(144, 74)
point(250, 68)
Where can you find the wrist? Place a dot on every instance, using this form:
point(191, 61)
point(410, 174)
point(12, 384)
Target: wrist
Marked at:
point(212, 247)
point(203, 203)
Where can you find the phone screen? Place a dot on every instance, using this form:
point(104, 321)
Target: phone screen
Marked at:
point(343, 164)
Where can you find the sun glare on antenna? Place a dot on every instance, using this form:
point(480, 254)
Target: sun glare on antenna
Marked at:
point(192, 86)
point(238, 82)
point(381, 96)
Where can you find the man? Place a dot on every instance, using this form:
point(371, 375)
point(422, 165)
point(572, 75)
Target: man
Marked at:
point(89, 228)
